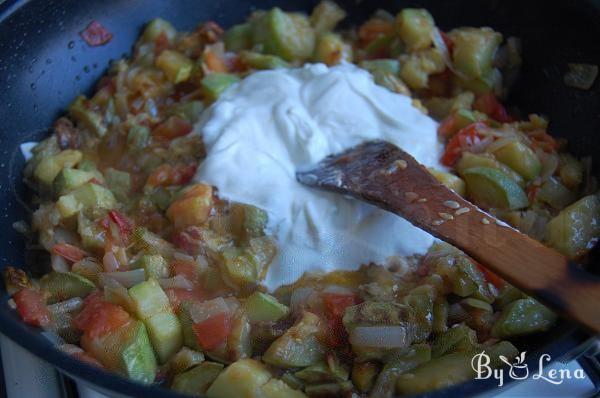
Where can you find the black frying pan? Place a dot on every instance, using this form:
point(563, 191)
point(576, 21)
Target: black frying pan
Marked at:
point(44, 65)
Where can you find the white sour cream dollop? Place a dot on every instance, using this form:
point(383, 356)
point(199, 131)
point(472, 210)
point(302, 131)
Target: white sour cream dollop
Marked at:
point(272, 123)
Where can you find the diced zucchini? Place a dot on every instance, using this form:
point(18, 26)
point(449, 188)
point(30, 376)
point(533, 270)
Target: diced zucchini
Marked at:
point(385, 385)
point(152, 306)
point(248, 265)
point(324, 371)
point(381, 66)
point(326, 15)
point(493, 188)
point(155, 265)
point(92, 233)
point(88, 196)
point(176, 66)
point(440, 315)
point(450, 180)
point(491, 80)
point(520, 158)
point(138, 136)
point(276, 388)
point(298, 347)
point(215, 83)
point(521, 317)
point(286, 35)
point(555, 194)
point(469, 160)
point(571, 171)
point(69, 179)
point(574, 230)
point(243, 378)
point(331, 49)
point(438, 373)
point(198, 379)
point(416, 67)
point(340, 389)
point(262, 61)
point(415, 27)
point(507, 295)
point(457, 338)
point(364, 375)
point(119, 182)
point(62, 286)
point(255, 221)
point(420, 299)
point(264, 307)
point(189, 337)
point(189, 111)
point(474, 49)
point(49, 167)
point(126, 350)
point(156, 27)
point(238, 37)
point(87, 118)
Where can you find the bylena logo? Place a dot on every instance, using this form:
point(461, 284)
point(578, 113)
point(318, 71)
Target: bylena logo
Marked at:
point(518, 369)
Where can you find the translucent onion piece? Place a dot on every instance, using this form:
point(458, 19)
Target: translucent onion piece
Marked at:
point(70, 305)
point(380, 336)
point(177, 282)
point(58, 263)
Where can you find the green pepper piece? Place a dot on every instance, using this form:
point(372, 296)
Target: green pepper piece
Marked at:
point(521, 317)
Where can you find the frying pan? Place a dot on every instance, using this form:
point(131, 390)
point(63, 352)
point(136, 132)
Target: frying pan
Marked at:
point(44, 65)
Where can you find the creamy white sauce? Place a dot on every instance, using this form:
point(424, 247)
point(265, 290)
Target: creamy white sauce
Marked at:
point(272, 123)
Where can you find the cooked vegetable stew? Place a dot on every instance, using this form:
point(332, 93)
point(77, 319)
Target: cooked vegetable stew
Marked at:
point(157, 278)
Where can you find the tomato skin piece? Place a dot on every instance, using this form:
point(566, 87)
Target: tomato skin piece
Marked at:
point(124, 224)
point(489, 104)
point(491, 277)
point(172, 128)
point(69, 252)
point(448, 126)
point(100, 317)
point(95, 34)
point(212, 332)
point(31, 306)
point(464, 139)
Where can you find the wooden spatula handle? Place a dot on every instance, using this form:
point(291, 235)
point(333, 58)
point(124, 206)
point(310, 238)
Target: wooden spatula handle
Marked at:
point(392, 179)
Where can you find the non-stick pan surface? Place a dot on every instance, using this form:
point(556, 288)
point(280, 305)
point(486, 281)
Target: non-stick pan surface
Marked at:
point(44, 64)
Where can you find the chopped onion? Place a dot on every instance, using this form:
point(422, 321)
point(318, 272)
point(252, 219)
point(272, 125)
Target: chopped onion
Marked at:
point(177, 282)
point(482, 145)
point(379, 336)
point(200, 312)
point(114, 292)
point(125, 278)
point(58, 263)
point(70, 305)
point(109, 261)
point(300, 297)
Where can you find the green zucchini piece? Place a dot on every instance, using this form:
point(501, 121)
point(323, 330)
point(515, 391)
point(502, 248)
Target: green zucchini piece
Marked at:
point(324, 371)
point(440, 316)
point(457, 338)
point(69, 179)
point(49, 167)
point(574, 230)
point(155, 265)
point(341, 389)
point(438, 373)
point(189, 337)
point(421, 299)
point(415, 27)
point(189, 111)
point(156, 27)
point(119, 182)
point(153, 308)
point(89, 196)
point(150, 243)
point(216, 83)
point(65, 285)
point(243, 378)
point(126, 350)
point(554, 193)
point(298, 347)
point(286, 35)
point(86, 117)
point(264, 307)
point(381, 66)
point(521, 317)
point(520, 158)
point(185, 359)
point(416, 67)
point(138, 136)
point(176, 66)
point(276, 388)
point(570, 171)
point(474, 49)
point(197, 380)
point(262, 61)
point(92, 233)
point(493, 188)
point(326, 15)
point(469, 160)
point(398, 364)
point(238, 37)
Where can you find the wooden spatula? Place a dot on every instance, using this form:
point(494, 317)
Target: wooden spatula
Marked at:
point(385, 176)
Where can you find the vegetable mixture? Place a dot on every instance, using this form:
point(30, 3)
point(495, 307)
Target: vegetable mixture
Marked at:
point(159, 279)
